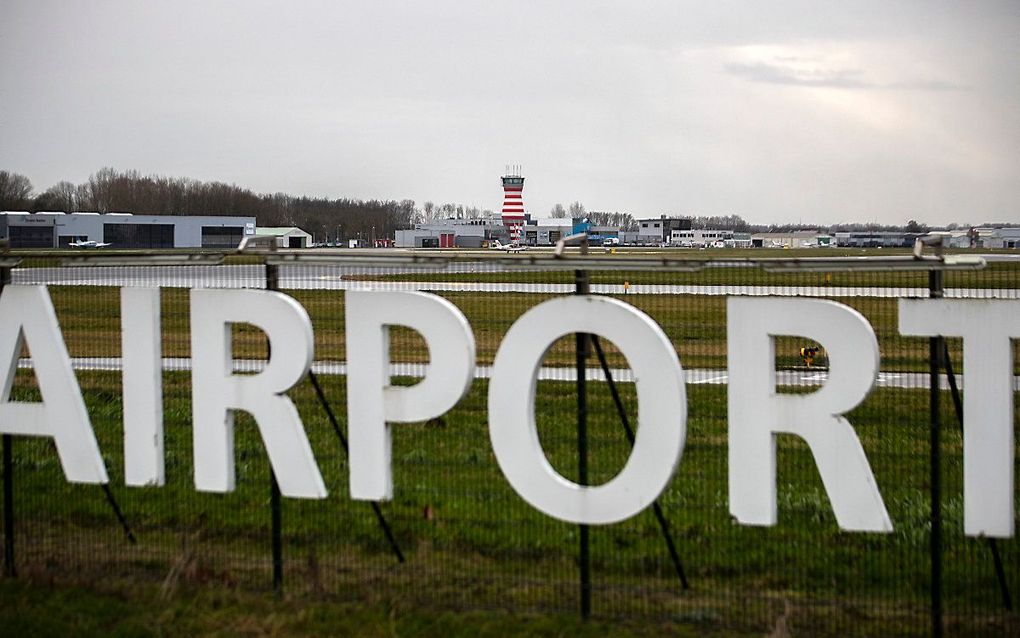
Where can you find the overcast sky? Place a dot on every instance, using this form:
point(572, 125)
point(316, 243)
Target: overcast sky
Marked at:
point(776, 111)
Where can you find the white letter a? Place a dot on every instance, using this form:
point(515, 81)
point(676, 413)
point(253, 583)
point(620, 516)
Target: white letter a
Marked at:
point(27, 316)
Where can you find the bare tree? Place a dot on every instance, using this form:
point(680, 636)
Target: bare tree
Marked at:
point(624, 221)
point(97, 193)
point(913, 226)
point(62, 196)
point(417, 217)
point(15, 191)
point(558, 212)
point(722, 222)
point(576, 210)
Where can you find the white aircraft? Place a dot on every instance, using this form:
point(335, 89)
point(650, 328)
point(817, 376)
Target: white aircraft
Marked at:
point(510, 248)
point(88, 243)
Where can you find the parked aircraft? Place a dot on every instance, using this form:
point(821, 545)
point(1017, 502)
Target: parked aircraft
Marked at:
point(88, 243)
point(510, 248)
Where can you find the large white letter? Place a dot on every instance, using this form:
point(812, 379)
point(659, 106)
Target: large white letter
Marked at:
point(27, 316)
point(662, 409)
point(216, 391)
point(372, 401)
point(986, 326)
point(757, 412)
point(143, 386)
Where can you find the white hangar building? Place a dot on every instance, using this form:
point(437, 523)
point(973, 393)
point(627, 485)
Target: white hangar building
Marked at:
point(123, 230)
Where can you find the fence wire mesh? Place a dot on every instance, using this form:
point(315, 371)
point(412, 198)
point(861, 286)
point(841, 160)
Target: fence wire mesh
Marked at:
point(461, 537)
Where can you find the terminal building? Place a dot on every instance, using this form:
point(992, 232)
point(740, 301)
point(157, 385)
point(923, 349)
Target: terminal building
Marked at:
point(484, 231)
point(123, 230)
point(661, 229)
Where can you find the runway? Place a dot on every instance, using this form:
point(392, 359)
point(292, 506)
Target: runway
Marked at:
point(693, 376)
point(342, 278)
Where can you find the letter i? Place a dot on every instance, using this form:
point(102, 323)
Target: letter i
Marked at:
point(142, 387)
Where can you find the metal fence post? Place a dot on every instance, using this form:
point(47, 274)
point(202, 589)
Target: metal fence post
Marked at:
point(9, 569)
point(954, 391)
point(273, 283)
point(8, 466)
point(581, 343)
point(935, 348)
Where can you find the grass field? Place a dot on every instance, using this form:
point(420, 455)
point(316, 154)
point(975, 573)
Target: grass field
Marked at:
point(479, 559)
point(696, 325)
point(995, 275)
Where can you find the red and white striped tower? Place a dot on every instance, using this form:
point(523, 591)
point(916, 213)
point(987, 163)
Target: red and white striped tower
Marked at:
point(513, 203)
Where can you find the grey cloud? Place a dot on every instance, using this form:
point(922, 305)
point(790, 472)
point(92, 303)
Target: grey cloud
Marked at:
point(775, 74)
point(838, 78)
point(929, 85)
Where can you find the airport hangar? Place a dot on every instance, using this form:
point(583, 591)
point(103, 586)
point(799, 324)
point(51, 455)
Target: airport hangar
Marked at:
point(123, 230)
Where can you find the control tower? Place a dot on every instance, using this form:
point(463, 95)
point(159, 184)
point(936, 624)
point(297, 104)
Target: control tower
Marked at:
point(513, 203)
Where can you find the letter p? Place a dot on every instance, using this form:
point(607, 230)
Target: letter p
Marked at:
point(372, 401)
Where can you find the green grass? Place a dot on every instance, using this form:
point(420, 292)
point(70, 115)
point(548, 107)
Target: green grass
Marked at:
point(139, 609)
point(472, 543)
point(994, 275)
point(1000, 275)
point(696, 325)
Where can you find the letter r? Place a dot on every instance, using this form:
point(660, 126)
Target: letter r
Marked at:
point(757, 412)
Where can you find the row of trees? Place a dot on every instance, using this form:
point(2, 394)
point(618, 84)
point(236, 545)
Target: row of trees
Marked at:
point(625, 221)
point(108, 191)
point(430, 211)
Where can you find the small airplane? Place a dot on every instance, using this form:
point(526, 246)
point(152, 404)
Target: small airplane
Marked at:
point(88, 243)
point(510, 248)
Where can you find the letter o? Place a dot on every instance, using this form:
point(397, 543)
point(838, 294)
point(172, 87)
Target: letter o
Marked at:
point(662, 409)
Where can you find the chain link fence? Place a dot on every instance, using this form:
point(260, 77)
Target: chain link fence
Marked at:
point(456, 535)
